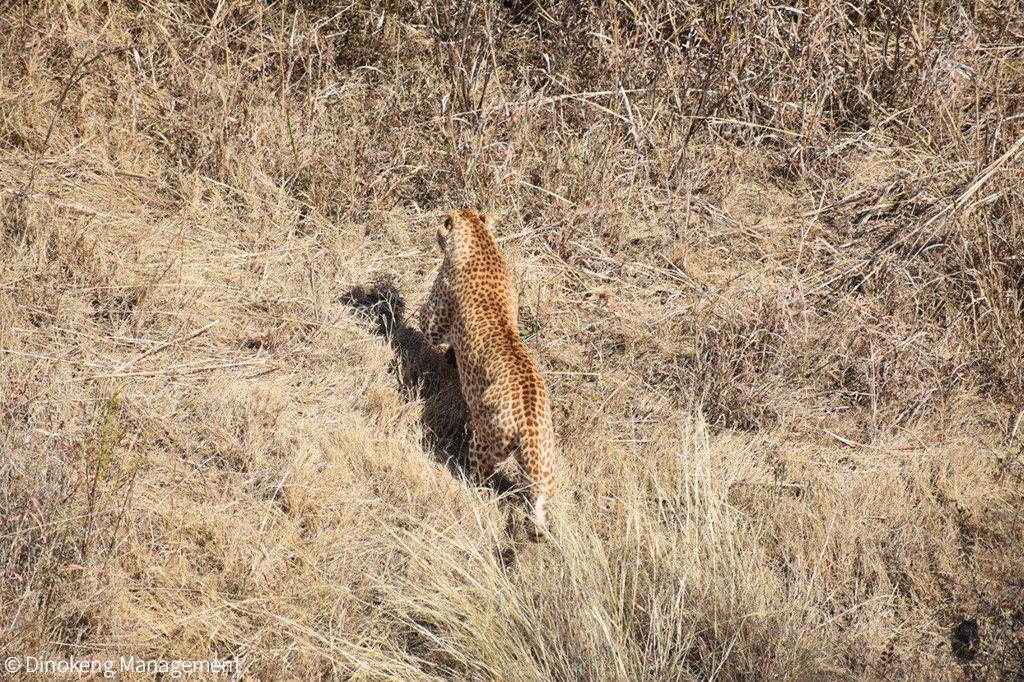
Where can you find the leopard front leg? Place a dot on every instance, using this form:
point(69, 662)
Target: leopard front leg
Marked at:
point(437, 314)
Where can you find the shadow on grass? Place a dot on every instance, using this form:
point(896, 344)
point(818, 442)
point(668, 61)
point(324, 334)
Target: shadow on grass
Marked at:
point(422, 372)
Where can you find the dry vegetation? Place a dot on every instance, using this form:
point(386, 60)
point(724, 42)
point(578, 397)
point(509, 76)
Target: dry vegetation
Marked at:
point(771, 260)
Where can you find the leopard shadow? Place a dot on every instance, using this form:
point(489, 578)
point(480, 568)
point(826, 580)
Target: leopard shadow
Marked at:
point(423, 371)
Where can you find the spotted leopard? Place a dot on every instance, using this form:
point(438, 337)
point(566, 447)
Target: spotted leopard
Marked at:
point(473, 307)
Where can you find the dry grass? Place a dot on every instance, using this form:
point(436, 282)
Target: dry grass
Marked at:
point(770, 261)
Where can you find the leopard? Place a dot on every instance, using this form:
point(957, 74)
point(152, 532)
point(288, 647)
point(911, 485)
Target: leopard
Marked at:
point(473, 308)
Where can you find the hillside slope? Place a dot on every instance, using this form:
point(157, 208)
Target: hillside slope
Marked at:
point(769, 260)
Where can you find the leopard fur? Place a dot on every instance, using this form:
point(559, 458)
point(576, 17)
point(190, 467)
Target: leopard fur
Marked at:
point(473, 307)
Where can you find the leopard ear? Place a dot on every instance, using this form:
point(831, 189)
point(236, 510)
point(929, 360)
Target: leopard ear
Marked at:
point(442, 233)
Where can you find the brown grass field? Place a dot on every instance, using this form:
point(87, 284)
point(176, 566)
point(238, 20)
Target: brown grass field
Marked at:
point(770, 259)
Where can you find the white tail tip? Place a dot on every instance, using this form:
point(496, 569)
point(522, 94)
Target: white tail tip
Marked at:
point(540, 511)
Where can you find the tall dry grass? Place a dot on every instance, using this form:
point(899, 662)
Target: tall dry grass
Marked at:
point(769, 258)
